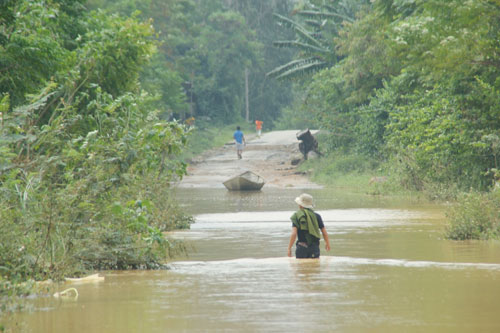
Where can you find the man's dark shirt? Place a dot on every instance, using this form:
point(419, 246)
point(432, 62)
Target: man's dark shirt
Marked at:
point(301, 234)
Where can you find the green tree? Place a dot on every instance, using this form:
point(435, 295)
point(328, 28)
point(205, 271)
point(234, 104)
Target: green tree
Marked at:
point(82, 157)
point(190, 34)
point(163, 77)
point(451, 76)
point(267, 96)
point(418, 80)
point(32, 45)
point(224, 49)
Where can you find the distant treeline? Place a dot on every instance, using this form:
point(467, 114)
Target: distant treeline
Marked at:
point(203, 50)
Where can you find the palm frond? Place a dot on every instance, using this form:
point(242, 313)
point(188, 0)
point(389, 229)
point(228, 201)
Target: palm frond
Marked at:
point(323, 15)
point(307, 36)
point(313, 44)
point(281, 69)
point(347, 7)
point(301, 71)
point(299, 30)
point(296, 67)
point(285, 21)
point(302, 46)
point(316, 23)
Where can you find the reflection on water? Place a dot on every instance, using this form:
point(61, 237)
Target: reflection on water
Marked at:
point(389, 270)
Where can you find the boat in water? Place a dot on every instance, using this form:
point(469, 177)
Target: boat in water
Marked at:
point(247, 181)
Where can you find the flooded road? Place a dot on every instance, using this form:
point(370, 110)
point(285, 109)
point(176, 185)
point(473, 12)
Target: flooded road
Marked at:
point(389, 270)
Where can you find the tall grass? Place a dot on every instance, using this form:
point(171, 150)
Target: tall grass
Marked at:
point(354, 172)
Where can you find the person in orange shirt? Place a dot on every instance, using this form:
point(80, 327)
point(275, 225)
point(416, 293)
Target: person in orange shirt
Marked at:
point(258, 126)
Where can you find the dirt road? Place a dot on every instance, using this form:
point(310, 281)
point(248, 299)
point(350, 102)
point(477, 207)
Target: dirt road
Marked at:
point(269, 156)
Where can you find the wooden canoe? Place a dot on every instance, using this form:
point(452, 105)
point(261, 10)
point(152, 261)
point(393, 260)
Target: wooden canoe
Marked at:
point(247, 181)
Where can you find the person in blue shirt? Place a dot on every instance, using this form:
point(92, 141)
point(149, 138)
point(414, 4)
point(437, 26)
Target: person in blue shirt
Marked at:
point(239, 140)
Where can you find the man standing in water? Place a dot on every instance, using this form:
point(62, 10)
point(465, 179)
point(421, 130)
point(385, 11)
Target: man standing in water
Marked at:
point(239, 140)
point(306, 225)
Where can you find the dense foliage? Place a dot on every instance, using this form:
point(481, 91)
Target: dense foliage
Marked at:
point(416, 84)
point(476, 216)
point(85, 161)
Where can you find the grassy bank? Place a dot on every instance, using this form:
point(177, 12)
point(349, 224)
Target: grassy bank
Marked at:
point(356, 173)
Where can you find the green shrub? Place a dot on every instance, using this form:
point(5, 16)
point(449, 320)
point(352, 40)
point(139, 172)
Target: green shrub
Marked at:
point(475, 216)
point(353, 171)
point(61, 232)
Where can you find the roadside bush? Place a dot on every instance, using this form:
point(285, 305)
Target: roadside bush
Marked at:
point(77, 158)
point(336, 169)
point(344, 163)
point(67, 232)
point(475, 216)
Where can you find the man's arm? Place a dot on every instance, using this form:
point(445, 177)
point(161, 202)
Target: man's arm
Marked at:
point(293, 236)
point(325, 237)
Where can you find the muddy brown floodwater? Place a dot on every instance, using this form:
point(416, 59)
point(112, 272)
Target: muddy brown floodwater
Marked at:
point(389, 270)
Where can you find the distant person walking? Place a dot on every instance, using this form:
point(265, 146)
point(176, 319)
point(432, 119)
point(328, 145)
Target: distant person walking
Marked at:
point(258, 127)
point(239, 140)
point(306, 226)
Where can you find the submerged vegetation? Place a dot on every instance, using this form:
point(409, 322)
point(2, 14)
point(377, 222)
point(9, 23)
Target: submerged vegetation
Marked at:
point(475, 216)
